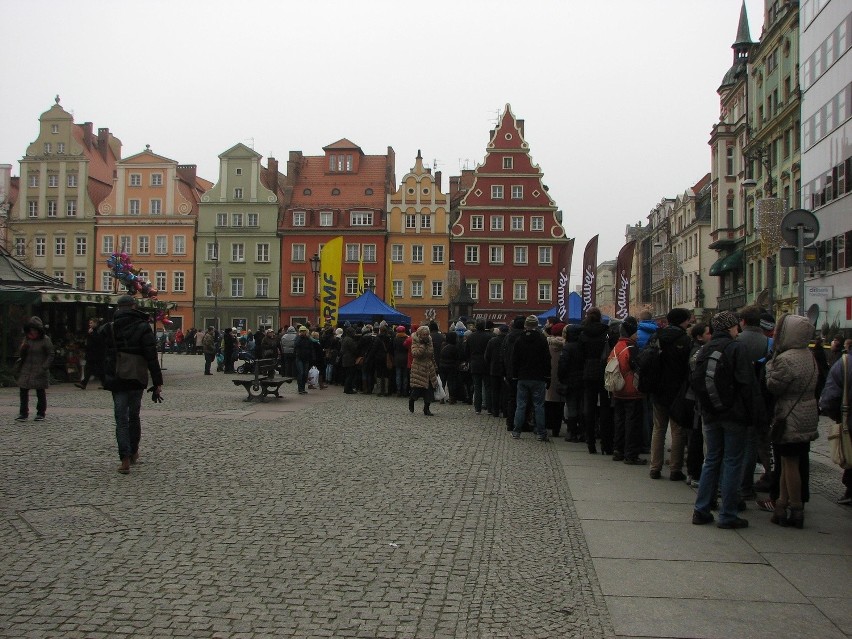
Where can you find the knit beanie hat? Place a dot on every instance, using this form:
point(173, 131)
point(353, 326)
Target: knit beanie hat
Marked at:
point(767, 322)
point(723, 321)
point(531, 322)
point(629, 326)
point(678, 316)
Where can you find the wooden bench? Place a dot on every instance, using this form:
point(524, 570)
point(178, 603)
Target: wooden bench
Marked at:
point(264, 381)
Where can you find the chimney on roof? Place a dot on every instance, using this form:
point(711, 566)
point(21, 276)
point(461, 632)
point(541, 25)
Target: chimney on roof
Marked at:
point(88, 136)
point(294, 165)
point(438, 180)
point(454, 184)
point(103, 142)
point(187, 173)
point(520, 126)
point(491, 135)
point(273, 169)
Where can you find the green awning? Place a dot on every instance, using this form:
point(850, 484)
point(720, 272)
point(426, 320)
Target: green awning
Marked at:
point(728, 263)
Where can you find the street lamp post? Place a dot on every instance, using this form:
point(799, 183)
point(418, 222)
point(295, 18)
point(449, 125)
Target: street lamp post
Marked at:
point(315, 269)
point(216, 281)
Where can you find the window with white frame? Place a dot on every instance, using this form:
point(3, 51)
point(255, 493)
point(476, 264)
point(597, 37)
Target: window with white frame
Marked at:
point(156, 207)
point(353, 252)
point(251, 219)
point(135, 179)
point(238, 171)
point(80, 279)
point(537, 223)
point(60, 275)
point(72, 180)
point(496, 222)
point(398, 288)
point(473, 290)
point(495, 254)
point(106, 280)
point(326, 218)
point(32, 208)
point(33, 179)
point(212, 251)
point(369, 283)
point(52, 208)
point(397, 253)
point(517, 192)
point(262, 252)
point(369, 252)
point(48, 147)
point(59, 246)
point(297, 254)
point(410, 221)
point(238, 193)
point(508, 162)
point(417, 253)
point(208, 286)
point(161, 245)
point(519, 291)
point(54, 128)
point(520, 255)
point(352, 286)
point(71, 208)
point(471, 254)
point(477, 222)
point(53, 181)
point(40, 247)
point(545, 255)
point(60, 147)
point(20, 246)
point(134, 207)
point(124, 244)
point(261, 287)
point(545, 291)
point(495, 291)
point(108, 244)
point(156, 179)
point(496, 191)
point(160, 281)
point(361, 218)
point(238, 252)
point(517, 222)
point(416, 288)
point(437, 254)
point(179, 242)
point(437, 288)
point(237, 287)
point(221, 219)
point(298, 218)
point(179, 282)
point(80, 245)
point(425, 221)
point(236, 219)
point(143, 242)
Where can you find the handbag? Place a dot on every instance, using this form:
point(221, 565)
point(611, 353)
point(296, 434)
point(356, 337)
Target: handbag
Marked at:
point(440, 392)
point(839, 437)
point(129, 367)
point(779, 424)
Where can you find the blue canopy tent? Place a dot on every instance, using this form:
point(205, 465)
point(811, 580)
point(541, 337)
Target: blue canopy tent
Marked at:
point(575, 309)
point(367, 307)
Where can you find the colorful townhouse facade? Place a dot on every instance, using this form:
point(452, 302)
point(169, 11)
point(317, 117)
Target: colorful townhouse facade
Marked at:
point(340, 193)
point(238, 259)
point(64, 175)
point(506, 232)
point(151, 214)
point(419, 254)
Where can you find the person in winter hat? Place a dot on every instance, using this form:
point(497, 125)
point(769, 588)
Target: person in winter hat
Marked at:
point(36, 357)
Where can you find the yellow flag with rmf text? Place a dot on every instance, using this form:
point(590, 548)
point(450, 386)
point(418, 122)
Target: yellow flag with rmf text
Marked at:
point(331, 264)
point(390, 298)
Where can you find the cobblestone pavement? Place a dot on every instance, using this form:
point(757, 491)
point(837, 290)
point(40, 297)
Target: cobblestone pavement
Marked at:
point(319, 516)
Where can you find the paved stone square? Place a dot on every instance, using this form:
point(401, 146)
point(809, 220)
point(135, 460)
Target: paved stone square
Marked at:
point(328, 515)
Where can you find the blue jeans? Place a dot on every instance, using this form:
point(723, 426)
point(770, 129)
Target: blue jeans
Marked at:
point(723, 465)
point(302, 368)
point(530, 390)
point(128, 424)
point(402, 380)
point(481, 392)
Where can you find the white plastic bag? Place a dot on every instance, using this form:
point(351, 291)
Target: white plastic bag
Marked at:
point(440, 393)
point(313, 376)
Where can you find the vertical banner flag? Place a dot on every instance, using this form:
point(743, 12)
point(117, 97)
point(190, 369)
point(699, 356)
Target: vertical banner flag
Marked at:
point(331, 263)
point(590, 271)
point(390, 298)
point(623, 271)
point(566, 254)
point(360, 271)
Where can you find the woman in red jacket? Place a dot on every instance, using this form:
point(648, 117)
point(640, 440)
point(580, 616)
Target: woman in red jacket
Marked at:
point(627, 402)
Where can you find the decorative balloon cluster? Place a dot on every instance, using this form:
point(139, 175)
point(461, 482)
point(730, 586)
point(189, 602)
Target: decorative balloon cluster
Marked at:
point(123, 271)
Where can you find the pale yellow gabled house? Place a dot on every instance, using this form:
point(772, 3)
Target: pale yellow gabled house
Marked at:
point(418, 247)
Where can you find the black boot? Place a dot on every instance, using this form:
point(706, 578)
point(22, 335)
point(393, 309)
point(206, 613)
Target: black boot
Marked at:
point(410, 405)
point(426, 411)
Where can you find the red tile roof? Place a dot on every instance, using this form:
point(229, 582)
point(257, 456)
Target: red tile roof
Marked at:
point(313, 174)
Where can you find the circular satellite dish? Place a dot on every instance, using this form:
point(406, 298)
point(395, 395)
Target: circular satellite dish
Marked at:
point(790, 227)
point(813, 314)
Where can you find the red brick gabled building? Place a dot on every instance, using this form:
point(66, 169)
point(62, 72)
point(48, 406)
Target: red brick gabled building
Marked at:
point(506, 232)
point(342, 192)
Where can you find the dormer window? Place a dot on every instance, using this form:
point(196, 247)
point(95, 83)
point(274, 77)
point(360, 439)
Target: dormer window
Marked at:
point(54, 128)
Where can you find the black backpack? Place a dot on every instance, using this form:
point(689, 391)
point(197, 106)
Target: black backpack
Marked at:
point(713, 381)
point(649, 367)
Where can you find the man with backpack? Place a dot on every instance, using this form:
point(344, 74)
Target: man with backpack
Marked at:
point(626, 399)
point(670, 377)
point(724, 384)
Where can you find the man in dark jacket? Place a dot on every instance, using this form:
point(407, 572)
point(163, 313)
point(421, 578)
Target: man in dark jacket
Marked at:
point(303, 349)
point(570, 373)
point(129, 332)
point(511, 382)
point(497, 370)
point(531, 370)
point(725, 431)
point(474, 353)
point(597, 410)
point(675, 346)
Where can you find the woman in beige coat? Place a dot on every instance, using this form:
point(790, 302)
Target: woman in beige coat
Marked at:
point(36, 354)
point(791, 376)
point(423, 373)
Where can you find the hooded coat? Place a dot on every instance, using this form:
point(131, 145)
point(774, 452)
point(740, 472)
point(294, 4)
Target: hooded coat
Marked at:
point(130, 332)
point(37, 357)
point(556, 391)
point(423, 371)
point(791, 376)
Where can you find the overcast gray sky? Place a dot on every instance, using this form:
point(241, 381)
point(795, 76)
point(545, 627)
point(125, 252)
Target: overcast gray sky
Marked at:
point(618, 96)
